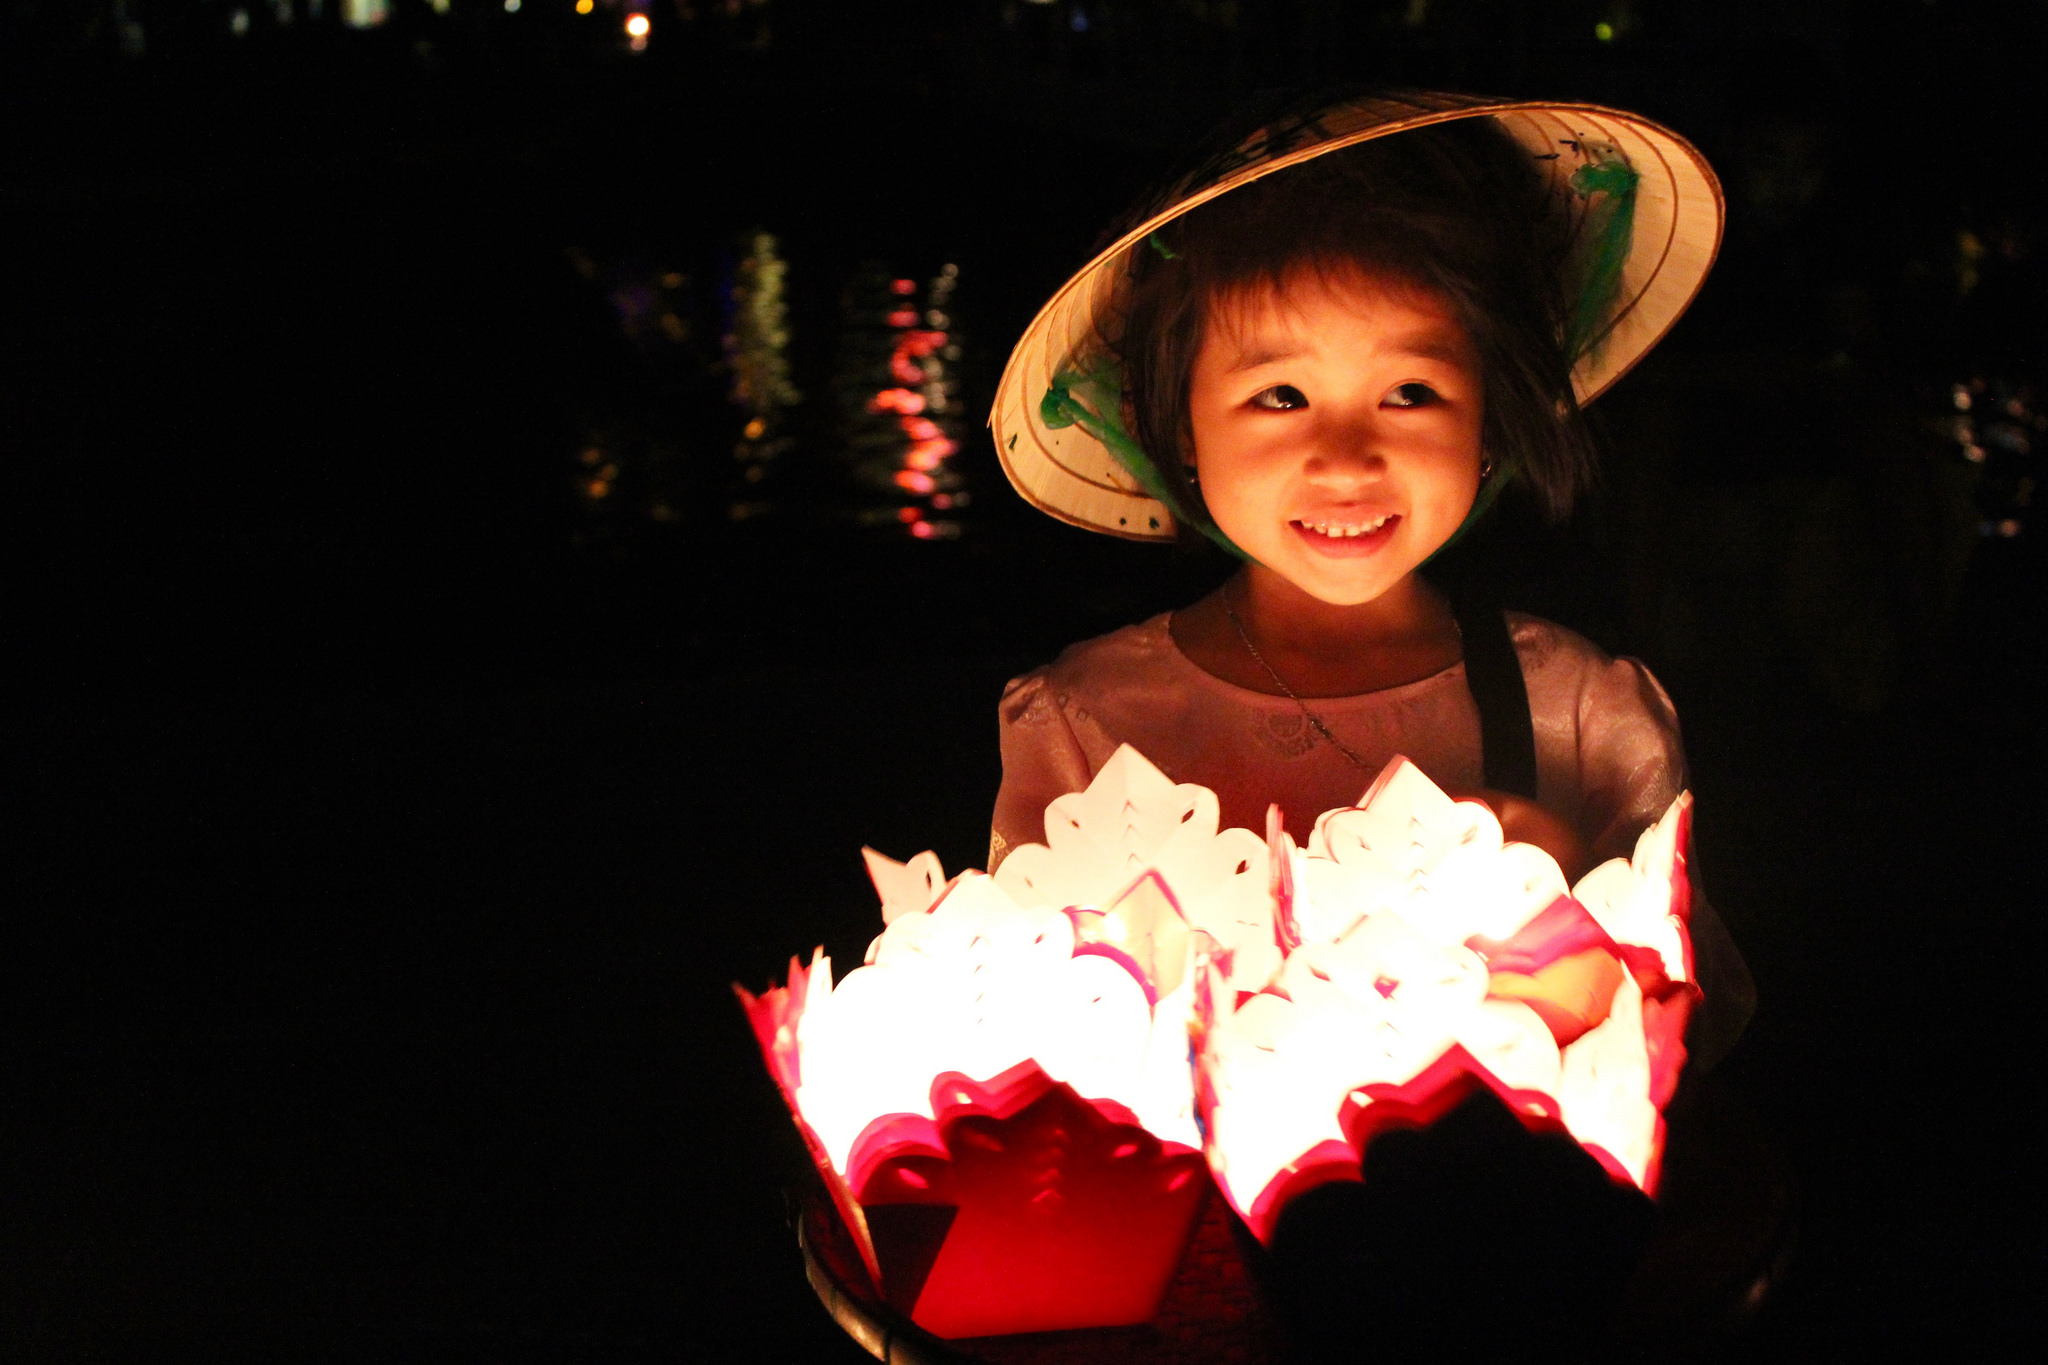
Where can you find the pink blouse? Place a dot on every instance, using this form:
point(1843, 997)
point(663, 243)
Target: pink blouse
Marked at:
point(1608, 756)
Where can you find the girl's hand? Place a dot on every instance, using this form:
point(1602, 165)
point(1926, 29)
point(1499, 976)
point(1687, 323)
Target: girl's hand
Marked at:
point(1522, 821)
point(1572, 994)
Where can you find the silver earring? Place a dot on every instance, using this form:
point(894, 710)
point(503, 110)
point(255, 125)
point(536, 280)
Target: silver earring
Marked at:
point(1485, 468)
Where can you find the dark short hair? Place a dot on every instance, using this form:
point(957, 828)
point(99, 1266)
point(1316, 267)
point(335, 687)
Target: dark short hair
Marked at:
point(1456, 208)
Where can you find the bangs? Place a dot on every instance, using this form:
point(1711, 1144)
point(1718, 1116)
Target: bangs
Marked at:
point(1455, 210)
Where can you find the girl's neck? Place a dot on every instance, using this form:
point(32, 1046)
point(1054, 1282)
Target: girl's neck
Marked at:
point(1318, 649)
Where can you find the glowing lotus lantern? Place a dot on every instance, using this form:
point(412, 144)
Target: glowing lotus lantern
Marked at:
point(1011, 1101)
point(1000, 1099)
point(1433, 958)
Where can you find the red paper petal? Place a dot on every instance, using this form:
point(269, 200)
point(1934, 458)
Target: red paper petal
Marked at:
point(1068, 1213)
point(774, 1015)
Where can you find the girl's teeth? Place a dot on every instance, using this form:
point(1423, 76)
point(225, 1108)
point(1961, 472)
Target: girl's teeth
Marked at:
point(1342, 531)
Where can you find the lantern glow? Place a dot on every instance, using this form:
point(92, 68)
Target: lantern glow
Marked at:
point(1027, 1074)
point(1435, 957)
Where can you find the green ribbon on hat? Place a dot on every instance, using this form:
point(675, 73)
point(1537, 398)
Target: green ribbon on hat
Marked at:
point(1608, 185)
point(1093, 400)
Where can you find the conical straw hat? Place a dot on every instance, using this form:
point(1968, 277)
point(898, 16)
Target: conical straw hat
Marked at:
point(1676, 232)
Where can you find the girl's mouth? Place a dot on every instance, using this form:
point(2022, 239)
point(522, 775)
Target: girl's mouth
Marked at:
point(1346, 536)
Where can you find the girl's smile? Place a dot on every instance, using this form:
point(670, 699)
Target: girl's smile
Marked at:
point(1337, 431)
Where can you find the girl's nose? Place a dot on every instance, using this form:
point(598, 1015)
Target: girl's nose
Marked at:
point(1346, 452)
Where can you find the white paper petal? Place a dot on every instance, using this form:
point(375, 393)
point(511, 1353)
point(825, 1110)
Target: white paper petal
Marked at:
point(1605, 1088)
point(905, 887)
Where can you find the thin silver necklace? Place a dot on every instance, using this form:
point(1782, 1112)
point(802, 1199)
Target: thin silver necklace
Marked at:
point(1311, 717)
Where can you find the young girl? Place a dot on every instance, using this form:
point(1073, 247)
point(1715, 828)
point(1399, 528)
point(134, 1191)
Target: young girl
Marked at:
point(1327, 350)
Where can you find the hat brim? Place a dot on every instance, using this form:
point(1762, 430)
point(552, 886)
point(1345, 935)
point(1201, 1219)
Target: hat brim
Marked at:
point(1679, 211)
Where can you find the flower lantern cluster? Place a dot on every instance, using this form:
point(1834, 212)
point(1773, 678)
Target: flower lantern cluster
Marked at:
point(1014, 1098)
point(1431, 957)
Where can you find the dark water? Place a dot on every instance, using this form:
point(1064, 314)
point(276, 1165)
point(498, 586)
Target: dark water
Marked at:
point(387, 813)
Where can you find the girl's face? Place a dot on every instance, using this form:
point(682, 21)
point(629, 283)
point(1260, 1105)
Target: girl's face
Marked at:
point(1337, 429)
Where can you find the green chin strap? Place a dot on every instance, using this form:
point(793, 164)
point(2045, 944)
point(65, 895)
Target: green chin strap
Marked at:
point(1093, 401)
point(1489, 492)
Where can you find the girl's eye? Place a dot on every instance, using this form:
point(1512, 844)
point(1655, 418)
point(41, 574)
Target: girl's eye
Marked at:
point(1410, 396)
point(1280, 398)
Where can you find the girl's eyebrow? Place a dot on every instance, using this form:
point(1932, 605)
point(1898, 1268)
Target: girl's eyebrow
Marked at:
point(1430, 345)
point(1264, 355)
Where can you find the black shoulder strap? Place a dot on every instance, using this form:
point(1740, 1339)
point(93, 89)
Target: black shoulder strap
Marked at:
point(1493, 671)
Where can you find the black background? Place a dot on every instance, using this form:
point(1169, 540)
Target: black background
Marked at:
point(380, 840)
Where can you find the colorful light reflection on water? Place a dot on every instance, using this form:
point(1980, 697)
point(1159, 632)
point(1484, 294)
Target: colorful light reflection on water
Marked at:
point(721, 430)
point(897, 377)
point(921, 403)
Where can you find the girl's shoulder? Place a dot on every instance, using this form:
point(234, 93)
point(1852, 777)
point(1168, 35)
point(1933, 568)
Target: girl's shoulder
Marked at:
point(1137, 657)
point(1562, 666)
point(1141, 666)
point(1542, 644)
